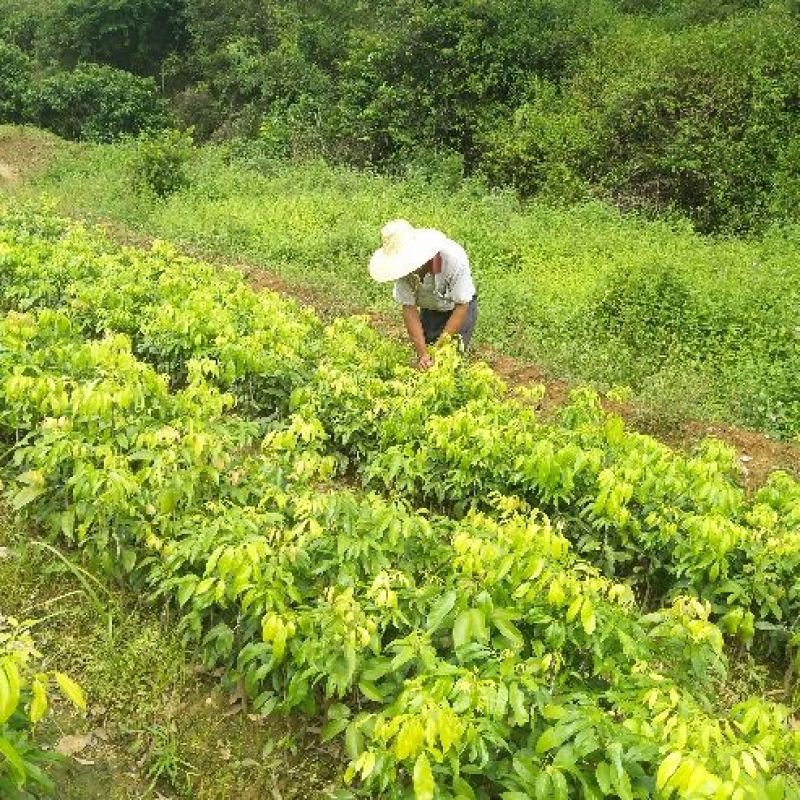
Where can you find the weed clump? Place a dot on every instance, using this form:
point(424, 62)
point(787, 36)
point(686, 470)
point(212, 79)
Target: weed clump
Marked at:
point(159, 163)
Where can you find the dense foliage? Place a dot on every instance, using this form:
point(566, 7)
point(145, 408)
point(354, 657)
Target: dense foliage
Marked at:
point(95, 102)
point(92, 102)
point(467, 655)
point(15, 74)
point(159, 164)
point(685, 105)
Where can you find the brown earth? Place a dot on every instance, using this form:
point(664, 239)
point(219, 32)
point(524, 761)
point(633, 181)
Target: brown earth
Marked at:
point(7, 174)
point(23, 154)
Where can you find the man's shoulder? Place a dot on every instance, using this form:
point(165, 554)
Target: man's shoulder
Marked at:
point(454, 255)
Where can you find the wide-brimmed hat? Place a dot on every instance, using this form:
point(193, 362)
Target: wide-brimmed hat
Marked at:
point(405, 248)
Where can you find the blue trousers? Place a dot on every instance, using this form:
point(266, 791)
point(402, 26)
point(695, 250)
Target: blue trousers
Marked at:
point(433, 323)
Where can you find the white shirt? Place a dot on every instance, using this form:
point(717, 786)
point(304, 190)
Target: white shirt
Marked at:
point(439, 292)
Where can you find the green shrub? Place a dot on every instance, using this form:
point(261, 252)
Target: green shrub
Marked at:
point(15, 74)
point(539, 149)
point(784, 200)
point(682, 13)
point(21, 20)
point(196, 108)
point(160, 161)
point(132, 35)
point(696, 120)
point(96, 103)
point(293, 130)
point(437, 76)
point(650, 310)
point(667, 114)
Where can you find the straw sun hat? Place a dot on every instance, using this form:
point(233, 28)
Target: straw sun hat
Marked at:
point(405, 248)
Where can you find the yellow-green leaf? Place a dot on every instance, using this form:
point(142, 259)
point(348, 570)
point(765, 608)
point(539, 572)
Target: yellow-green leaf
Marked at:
point(39, 701)
point(588, 619)
point(26, 496)
point(469, 626)
point(603, 775)
point(423, 779)
point(462, 790)
point(366, 764)
point(409, 740)
point(168, 501)
point(9, 689)
point(574, 608)
point(371, 691)
point(698, 777)
point(555, 594)
point(760, 758)
point(5, 694)
point(748, 764)
point(8, 750)
point(71, 690)
point(442, 608)
point(542, 789)
point(560, 788)
point(667, 769)
point(449, 729)
point(548, 740)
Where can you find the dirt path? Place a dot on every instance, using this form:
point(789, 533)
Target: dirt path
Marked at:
point(7, 174)
point(23, 154)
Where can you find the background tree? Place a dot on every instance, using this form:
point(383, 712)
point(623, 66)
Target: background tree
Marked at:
point(134, 35)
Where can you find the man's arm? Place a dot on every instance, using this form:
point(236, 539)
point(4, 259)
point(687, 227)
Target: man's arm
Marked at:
point(462, 291)
point(457, 319)
point(415, 332)
point(405, 294)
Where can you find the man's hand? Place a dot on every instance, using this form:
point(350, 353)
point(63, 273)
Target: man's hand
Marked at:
point(424, 362)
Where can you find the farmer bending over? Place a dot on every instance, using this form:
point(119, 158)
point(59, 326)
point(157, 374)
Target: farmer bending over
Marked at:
point(432, 282)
